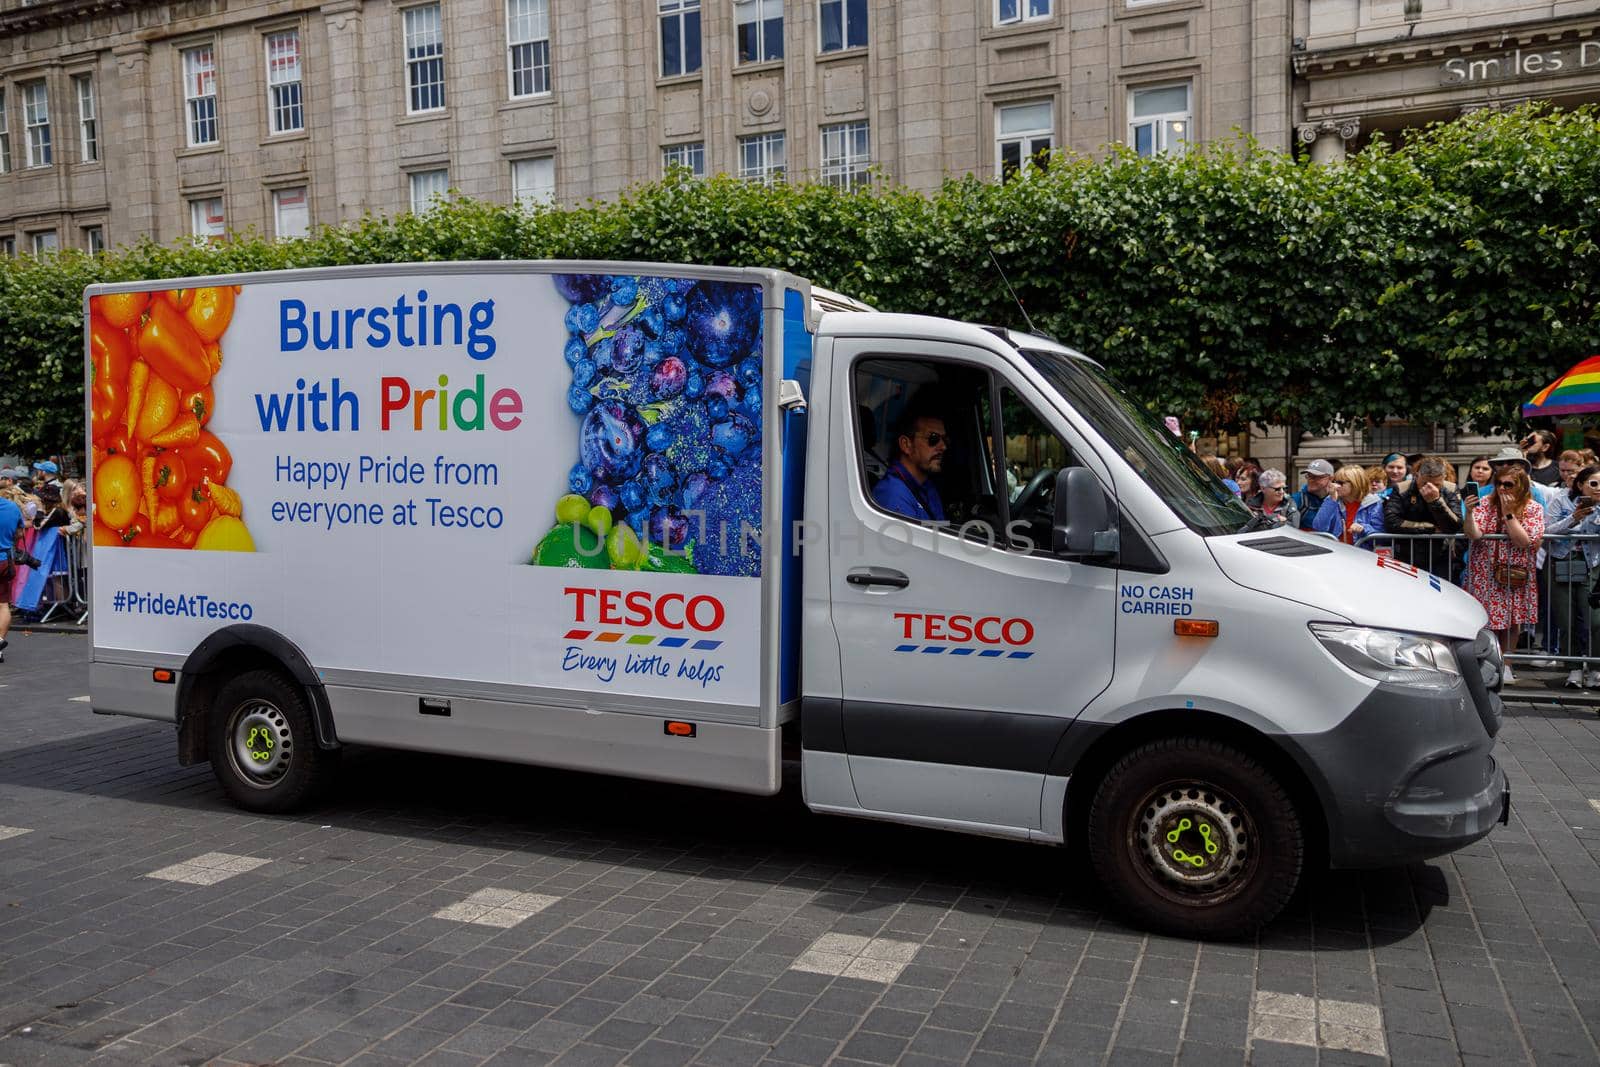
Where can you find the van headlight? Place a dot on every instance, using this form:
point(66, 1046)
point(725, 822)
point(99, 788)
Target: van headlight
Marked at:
point(1390, 655)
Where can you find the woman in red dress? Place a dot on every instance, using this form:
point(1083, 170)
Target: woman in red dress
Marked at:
point(1501, 573)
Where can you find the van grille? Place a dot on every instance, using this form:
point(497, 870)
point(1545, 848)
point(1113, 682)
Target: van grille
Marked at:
point(1480, 663)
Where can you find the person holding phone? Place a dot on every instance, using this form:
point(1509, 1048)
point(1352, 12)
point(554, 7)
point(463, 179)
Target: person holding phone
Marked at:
point(1571, 564)
point(1501, 574)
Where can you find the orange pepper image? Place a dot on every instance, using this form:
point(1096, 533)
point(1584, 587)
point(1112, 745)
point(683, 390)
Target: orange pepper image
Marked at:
point(170, 346)
point(208, 458)
point(210, 312)
point(111, 357)
point(160, 407)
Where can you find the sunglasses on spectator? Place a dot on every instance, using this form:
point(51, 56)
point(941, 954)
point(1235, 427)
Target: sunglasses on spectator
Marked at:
point(1507, 485)
point(1593, 482)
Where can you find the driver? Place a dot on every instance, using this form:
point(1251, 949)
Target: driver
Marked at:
point(908, 488)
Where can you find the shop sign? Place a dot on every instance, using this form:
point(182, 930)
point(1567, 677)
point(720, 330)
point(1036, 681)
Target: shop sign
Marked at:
point(1520, 63)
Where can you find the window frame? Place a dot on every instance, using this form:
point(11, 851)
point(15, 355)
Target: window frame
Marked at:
point(763, 29)
point(412, 177)
point(415, 65)
point(521, 200)
point(92, 235)
point(276, 108)
point(196, 206)
point(532, 43)
point(5, 133)
point(686, 148)
point(37, 239)
point(197, 104)
point(845, 25)
point(1027, 159)
point(88, 123)
point(8, 245)
point(680, 11)
point(277, 212)
point(1022, 18)
point(1159, 122)
point(853, 172)
point(37, 134)
point(765, 173)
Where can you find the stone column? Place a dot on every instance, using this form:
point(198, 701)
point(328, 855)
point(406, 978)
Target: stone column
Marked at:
point(134, 210)
point(347, 83)
point(1329, 138)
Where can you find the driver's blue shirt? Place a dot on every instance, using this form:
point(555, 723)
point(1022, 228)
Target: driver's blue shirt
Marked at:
point(900, 492)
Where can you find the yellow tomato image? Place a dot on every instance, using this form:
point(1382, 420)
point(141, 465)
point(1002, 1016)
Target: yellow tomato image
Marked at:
point(225, 534)
point(116, 491)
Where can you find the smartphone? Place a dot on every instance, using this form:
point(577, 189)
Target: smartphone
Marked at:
point(1470, 489)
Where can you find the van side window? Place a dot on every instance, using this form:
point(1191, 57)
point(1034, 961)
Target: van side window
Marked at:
point(924, 437)
point(1034, 455)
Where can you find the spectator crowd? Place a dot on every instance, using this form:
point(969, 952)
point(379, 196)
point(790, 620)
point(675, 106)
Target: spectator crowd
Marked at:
point(1521, 520)
point(34, 500)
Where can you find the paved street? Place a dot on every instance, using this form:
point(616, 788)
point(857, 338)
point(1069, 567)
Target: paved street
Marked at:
point(447, 912)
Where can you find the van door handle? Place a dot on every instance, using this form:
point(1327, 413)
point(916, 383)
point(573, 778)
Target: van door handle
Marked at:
point(870, 576)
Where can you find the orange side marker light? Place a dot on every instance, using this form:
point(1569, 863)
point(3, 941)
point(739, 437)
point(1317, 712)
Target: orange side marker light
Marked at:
point(1196, 627)
point(677, 728)
point(161, 674)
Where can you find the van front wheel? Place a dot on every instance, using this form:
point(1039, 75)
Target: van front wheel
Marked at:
point(263, 746)
point(1191, 836)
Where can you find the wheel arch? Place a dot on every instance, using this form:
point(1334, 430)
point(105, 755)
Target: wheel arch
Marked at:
point(1096, 751)
point(229, 652)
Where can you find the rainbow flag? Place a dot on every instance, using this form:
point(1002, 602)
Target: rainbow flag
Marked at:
point(1575, 392)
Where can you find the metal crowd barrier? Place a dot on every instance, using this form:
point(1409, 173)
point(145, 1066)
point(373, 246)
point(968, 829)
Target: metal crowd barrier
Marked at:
point(1566, 632)
point(66, 590)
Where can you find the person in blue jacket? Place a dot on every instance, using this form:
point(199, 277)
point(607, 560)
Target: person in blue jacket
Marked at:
point(908, 488)
point(10, 526)
point(1352, 511)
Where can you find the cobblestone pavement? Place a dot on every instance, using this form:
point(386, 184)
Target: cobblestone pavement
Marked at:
point(444, 911)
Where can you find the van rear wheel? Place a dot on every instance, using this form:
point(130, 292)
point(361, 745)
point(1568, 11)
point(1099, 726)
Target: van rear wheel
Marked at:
point(1191, 836)
point(263, 746)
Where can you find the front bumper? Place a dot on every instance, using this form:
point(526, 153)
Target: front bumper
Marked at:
point(1411, 774)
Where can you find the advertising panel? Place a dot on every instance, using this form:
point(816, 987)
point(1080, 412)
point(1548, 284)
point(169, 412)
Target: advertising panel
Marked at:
point(547, 480)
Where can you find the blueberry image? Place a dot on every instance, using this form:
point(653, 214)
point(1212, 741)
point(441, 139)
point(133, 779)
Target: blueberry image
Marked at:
point(733, 435)
point(582, 288)
point(694, 387)
point(716, 407)
point(669, 378)
point(623, 291)
point(659, 439)
point(603, 496)
point(579, 399)
point(580, 480)
point(672, 308)
point(722, 320)
point(627, 349)
point(583, 372)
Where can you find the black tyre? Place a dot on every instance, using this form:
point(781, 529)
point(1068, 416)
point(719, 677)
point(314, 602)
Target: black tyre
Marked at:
point(1196, 838)
point(263, 746)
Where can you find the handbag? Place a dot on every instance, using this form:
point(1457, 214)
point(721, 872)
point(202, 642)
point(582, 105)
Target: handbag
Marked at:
point(1511, 577)
point(1574, 568)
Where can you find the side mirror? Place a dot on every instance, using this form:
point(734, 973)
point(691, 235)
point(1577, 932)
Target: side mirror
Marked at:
point(1085, 521)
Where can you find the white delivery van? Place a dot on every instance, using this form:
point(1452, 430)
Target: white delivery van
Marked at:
point(656, 521)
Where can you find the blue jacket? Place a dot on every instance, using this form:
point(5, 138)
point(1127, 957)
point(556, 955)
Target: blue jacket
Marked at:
point(894, 493)
point(1308, 505)
point(1330, 517)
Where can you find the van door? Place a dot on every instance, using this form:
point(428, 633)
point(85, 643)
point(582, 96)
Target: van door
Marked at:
point(967, 646)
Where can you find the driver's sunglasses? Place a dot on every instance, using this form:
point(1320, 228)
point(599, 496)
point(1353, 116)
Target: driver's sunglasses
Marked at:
point(934, 438)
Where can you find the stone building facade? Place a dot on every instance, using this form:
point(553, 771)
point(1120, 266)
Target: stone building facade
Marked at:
point(131, 118)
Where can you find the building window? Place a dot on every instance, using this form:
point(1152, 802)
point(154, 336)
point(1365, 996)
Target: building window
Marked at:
point(762, 158)
point(692, 156)
point(533, 181)
point(844, 24)
point(846, 154)
point(285, 113)
point(36, 120)
point(8, 246)
point(426, 186)
point(94, 239)
point(1159, 119)
point(205, 218)
point(291, 212)
point(1023, 136)
point(680, 36)
point(5, 138)
point(200, 94)
point(88, 128)
point(424, 59)
point(45, 243)
point(528, 37)
point(1011, 12)
point(760, 28)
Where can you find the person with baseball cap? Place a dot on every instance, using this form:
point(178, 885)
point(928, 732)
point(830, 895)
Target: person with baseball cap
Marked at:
point(45, 472)
point(1309, 497)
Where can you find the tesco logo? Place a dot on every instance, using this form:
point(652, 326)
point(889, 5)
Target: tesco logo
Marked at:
point(670, 611)
point(988, 630)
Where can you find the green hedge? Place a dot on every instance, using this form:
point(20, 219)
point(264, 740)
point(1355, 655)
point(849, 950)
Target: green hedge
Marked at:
point(1444, 278)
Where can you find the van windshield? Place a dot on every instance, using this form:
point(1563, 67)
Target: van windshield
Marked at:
point(1166, 464)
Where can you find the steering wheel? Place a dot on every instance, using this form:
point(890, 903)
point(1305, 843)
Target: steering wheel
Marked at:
point(1033, 491)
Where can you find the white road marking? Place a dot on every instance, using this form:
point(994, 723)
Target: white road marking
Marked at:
point(13, 831)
